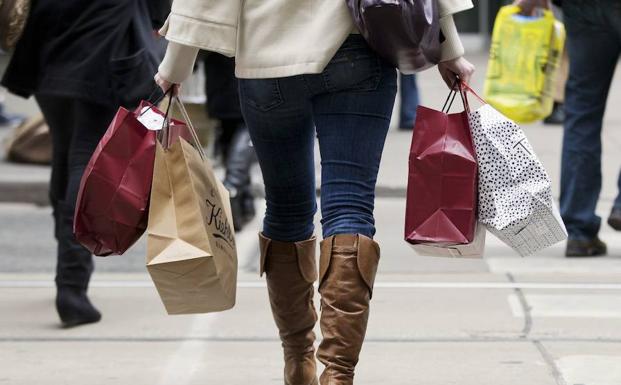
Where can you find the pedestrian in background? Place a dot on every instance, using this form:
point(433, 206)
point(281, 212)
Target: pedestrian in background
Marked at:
point(594, 46)
point(409, 101)
point(304, 71)
point(81, 59)
point(233, 140)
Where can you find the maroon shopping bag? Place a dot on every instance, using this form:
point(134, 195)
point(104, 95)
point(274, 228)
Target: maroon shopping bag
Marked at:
point(442, 182)
point(113, 200)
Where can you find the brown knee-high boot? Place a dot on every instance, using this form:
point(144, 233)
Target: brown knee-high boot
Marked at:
point(346, 275)
point(291, 269)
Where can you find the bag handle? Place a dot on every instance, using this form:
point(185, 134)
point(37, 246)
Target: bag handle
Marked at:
point(186, 117)
point(467, 89)
point(457, 87)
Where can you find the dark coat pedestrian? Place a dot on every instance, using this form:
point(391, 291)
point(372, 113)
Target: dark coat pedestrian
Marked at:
point(81, 59)
point(97, 51)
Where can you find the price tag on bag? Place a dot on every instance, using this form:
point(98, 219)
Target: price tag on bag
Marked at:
point(151, 119)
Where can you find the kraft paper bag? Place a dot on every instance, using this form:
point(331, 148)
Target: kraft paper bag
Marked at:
point(191, 253)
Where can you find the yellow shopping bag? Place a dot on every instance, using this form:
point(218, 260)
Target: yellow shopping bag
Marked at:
point(524, 59)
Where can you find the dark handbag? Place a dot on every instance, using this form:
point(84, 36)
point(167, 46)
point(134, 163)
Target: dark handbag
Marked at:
point(404, 32)
point(30, 143)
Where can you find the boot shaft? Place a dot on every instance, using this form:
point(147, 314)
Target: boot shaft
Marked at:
point(348, 266)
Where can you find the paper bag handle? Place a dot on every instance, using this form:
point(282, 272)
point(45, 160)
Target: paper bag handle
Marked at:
point(186, 117)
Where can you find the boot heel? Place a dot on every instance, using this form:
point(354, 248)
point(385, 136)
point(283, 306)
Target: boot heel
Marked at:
point(315, 382)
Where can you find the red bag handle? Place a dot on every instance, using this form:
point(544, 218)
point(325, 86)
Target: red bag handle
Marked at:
point(466, 88)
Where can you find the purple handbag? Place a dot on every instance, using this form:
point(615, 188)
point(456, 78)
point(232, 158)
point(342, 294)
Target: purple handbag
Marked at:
point(404, 32)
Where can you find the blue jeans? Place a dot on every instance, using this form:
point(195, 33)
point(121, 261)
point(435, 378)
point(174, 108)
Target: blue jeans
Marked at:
point(348, 107)
point(594, 46)
point(409, 101)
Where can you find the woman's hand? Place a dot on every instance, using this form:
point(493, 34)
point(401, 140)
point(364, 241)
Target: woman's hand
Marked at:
point(456, 68)
point(165, 85)
point(528, 6)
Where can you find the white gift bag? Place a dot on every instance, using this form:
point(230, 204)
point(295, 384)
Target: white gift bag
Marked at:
point(515, 191)
point(474, 249)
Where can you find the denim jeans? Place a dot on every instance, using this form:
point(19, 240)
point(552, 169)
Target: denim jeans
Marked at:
point(594, 45)
point(409, 101)
point(348, 107)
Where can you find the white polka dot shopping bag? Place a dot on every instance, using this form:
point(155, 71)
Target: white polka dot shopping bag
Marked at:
point(515, 191)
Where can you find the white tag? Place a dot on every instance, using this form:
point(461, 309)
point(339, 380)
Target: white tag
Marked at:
point(151, 119)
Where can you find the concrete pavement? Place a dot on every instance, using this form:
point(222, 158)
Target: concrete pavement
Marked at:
point(435, 321)
point(429, 329)
point(543, 320)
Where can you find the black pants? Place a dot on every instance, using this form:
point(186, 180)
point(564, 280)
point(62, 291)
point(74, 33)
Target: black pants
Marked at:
point(76, 128)
point(222, 90)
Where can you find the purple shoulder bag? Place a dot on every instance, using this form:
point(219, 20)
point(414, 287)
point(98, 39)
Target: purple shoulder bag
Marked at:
point(404, 32)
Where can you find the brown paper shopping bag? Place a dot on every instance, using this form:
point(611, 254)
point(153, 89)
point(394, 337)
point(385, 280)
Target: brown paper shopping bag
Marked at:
point(191, 254)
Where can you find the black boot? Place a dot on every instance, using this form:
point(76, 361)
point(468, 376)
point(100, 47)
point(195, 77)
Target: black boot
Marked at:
point(590, 248)
point(74, 307)
point(73, 272)
point(557, 116)
point(240, 158)
point(614, 220)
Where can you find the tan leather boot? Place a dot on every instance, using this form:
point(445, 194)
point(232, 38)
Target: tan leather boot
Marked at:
point(291, 269)
point(347, 271)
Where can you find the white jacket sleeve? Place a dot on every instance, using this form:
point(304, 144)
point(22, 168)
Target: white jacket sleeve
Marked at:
point(178, 63)
point(451, 47)
point(451, 7)
point(206, 24)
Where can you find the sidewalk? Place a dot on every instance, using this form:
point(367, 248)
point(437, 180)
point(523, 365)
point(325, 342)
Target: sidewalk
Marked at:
point(466, 329)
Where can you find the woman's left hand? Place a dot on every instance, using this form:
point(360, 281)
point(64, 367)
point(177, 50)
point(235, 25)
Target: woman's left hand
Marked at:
point(456, 68)
point(165, 85)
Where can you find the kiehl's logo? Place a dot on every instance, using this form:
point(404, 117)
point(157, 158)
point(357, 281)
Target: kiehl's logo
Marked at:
point(217, 218)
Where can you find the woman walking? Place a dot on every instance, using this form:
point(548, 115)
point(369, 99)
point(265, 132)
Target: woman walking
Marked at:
point(305, 72)
point(81, 59)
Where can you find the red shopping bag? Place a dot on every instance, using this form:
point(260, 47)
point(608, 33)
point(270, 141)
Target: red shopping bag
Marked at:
point(113, 200)
point(442, 182)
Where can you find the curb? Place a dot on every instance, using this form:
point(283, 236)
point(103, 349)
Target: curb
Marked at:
point(36, 193)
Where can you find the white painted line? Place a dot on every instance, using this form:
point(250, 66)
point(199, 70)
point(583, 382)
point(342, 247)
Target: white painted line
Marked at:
point(591, 369)
point(17, 284)
point(188, 359)
point(568, 305)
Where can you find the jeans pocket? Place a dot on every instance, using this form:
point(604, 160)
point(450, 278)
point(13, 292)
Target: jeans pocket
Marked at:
point(353, 68)
point(261, 94)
